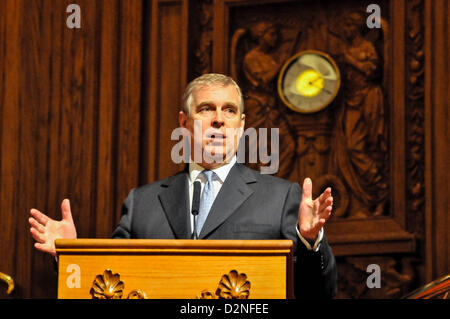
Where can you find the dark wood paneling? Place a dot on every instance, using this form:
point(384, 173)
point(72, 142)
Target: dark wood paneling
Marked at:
point(70, 124)
point(34, 144)
point(107, 104)
point(10, 138)
point(128, 110)
point(168, 56)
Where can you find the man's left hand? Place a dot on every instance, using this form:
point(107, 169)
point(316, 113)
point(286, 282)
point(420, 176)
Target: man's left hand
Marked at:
point(312, 214)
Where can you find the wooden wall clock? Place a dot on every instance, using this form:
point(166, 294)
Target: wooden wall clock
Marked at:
point(309, 81)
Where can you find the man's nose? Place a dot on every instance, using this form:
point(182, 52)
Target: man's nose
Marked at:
point(218, 120)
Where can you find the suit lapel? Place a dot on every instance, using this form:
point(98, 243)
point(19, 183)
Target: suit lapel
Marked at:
point(175, 202)
point(233, 193)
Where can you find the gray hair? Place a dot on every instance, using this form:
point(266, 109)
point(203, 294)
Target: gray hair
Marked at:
point(208, 80)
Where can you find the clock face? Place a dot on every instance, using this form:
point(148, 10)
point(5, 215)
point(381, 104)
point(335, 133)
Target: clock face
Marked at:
point(309, 81)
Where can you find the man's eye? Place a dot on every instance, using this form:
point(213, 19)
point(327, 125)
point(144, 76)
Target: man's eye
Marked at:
point(230, 110)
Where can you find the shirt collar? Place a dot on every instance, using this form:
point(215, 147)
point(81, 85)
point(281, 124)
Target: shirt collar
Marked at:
point(221, 172)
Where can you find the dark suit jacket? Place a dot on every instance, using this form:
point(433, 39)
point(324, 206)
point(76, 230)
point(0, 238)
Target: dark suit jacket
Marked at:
point(249, 206)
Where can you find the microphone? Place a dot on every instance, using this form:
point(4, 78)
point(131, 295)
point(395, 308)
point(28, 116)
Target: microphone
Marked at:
point(196, 205)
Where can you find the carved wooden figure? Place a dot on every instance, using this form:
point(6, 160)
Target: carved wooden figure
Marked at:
point(361, 146)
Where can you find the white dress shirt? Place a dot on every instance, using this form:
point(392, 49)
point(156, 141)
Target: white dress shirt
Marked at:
point(219, 177)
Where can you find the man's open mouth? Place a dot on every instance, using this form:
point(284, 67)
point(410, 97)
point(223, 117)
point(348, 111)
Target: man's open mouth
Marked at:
point(216, 136)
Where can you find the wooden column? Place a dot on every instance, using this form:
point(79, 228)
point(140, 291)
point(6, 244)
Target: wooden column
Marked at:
point(437, 118)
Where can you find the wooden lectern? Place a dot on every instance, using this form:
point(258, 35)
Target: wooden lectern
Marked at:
point(175, 269)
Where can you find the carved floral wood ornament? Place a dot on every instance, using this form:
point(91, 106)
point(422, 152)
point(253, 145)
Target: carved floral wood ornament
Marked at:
point(233, 285)
point(109, 286)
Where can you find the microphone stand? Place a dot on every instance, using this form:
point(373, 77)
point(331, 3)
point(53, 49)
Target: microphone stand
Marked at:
point(195, 206)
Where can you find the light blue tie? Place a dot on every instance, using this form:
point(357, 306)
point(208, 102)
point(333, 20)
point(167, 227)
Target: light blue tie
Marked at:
point(206, 200)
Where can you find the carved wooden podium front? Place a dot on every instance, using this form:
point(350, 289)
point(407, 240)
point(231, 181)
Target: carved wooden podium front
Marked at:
point(174, 269)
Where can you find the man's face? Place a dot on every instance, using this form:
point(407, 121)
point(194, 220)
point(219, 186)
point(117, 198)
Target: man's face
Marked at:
point(215, 122)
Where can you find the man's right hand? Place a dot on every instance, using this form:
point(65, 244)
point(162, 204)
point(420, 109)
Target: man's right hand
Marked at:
point(45, 230)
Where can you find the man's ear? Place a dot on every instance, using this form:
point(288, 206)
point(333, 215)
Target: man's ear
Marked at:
point(243, 121)
point(182, 118)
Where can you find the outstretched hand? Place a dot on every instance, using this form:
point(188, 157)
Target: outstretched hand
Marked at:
point(45, 230)
point(312, 214)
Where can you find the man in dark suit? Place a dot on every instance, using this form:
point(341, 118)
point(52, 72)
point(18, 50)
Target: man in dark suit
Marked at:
point(236, 202)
